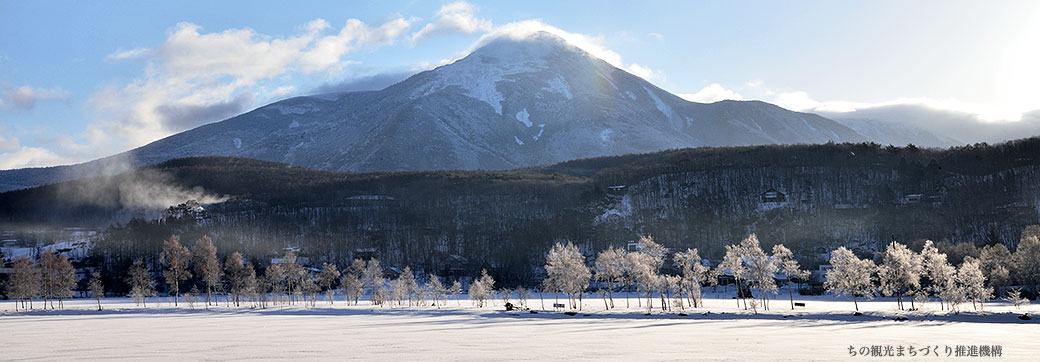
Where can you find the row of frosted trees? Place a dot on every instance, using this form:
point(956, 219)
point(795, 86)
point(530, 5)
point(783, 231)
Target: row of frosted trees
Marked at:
point(899, 272)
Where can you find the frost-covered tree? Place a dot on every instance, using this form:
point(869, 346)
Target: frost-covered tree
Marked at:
point(645, 269)
point(1027, 261)
point(435, 289)
point(327, 280)
point(206, 265)
point(455, 290)
point(141, 283)
point(850, 275)
point(404, 287)
point(940, 273)
point(611, 267)
point(789, 267)
point(24, 282)
point(310, 290)
point(995, 261)
point(565, 267)
point(276, 280)
point(481, 288)
point(760, 268)
point(174, 258)
point(900, 272)
point(96, 287)
point(372, 277)
point(733, 262)
point(693, 273)
point(294, 274)
point(521, 295)
point(351, 283)
point(973, 282)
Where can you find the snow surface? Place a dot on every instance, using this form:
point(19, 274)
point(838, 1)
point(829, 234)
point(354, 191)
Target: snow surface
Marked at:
point(524, 118)
point(664, 108)
point(238, 142)
point(458, 331)
point(559, 85)
point(541, 128)
point(518, 141)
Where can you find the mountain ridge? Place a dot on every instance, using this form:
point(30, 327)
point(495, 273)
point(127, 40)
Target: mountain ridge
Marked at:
point(510, 103)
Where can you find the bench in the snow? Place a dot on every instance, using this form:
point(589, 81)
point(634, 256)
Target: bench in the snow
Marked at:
point(559, 305)
point(797, 304)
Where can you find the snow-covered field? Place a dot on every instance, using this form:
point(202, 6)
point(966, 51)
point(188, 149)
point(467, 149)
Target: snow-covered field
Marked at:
point(824, 331)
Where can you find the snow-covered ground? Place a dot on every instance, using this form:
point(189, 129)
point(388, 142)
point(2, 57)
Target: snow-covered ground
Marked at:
point(824, 331)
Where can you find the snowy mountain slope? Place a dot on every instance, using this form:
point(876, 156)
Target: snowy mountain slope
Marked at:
point(894, 133)
point(511, 103)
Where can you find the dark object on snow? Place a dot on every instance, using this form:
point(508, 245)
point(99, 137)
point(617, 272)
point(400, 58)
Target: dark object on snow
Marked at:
point(559, 305)
point(534, 312)
point(585, 315)
point(683, 314)
point(647, 314)
point(510, 306)
point(570, 313)
point(799, 304)
point(1025, 317)
point(900, 319)
point(857, 314)
point(706, 313)
point(785, 316)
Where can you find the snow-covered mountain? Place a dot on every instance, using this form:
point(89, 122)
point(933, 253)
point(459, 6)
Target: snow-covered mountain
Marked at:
point(510, 103)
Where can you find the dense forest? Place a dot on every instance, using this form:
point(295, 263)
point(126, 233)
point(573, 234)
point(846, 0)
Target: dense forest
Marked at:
point(808, 197)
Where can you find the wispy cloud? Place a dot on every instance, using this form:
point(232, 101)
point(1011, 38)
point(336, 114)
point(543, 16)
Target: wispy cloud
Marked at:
point(712, 93)
point(457, 17)
point(25, 97)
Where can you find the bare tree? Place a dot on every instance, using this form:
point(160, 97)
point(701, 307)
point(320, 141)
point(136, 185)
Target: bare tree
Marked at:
point(206, 265)
point(57, 278)
point(900, 272)
point(645, 268)
point(96, 287)
point(521, 295)
point(174, 258)
point(788, 265)
point(141, 283)
point(24, 282)
point(327, 280)
point(850, 275)
point(733, 263)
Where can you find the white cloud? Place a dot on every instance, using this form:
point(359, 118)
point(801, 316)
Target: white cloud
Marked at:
point(594, 45)
point(657, 36)
point(454, 17)
point(8, 144)
point(25, 97)
point(129, 54)
point(29, 157)
point(712, 93)
point(196, 77)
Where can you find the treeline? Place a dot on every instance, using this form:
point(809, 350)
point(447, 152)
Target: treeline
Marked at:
point(651, 271)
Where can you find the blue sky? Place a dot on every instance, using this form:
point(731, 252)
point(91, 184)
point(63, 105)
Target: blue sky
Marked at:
point(82, 80)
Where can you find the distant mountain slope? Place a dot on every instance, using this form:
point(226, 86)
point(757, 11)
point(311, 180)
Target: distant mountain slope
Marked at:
point(511, 103)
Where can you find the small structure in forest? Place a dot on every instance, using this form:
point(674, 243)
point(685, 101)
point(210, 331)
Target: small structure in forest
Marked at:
point(772, 195)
